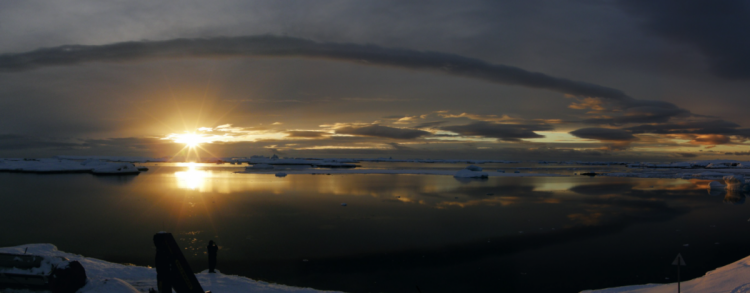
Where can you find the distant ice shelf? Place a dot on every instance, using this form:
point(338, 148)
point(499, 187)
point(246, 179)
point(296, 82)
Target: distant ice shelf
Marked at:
point(406, 172)
point(55, 165)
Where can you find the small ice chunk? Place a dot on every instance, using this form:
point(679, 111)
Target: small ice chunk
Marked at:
point(281, 174)
point(500, 171)
point(715, 185)
point(734, 182)
point(466, 173)
point(474, 168)
point(517, 171)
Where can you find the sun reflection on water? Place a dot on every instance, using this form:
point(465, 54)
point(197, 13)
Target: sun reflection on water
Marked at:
point(207, 178)
point(192, 178)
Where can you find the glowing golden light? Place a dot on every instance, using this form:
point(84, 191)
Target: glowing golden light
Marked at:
point(192, 178)
point(189, 139)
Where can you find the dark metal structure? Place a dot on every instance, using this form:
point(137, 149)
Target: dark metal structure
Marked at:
point(172, 269)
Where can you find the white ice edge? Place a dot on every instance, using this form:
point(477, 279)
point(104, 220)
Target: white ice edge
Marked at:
point(734, 277)
point(105, 276)
point(390, 171)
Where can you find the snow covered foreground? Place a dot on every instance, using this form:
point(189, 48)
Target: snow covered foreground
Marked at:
point(732, 278)
point(110, 277)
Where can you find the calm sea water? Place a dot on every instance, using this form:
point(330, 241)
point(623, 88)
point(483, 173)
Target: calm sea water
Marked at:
point(397, 232)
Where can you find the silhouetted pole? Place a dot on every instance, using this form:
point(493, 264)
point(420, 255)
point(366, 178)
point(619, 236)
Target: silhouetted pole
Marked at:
point(178, 273)
point(679, 261)
point(212, 249)
point(163, 272)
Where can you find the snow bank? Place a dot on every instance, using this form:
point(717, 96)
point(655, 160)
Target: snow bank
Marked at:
point(730, 278)
point(105, 276)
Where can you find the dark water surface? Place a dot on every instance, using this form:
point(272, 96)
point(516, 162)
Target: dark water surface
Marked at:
point(532, 234)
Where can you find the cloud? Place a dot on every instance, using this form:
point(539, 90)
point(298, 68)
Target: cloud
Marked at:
point(383, 131)
point(605, 134)
point(622, 108)
point(430, 124)
point(641, 111)
point(692, 127)
point(400, 147)
point(20, 142)
point(711, 139)
point(276, 46)
point(506, 132)
point(306, 134)
point(717, 29)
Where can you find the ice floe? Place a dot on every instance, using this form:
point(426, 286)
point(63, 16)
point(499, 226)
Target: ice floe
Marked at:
point(54, 165)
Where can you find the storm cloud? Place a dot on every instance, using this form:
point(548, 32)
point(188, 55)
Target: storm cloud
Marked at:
point(640, 111)
point(277, 46)
point(383, 131)
point(605, 134)
point(718, 29)
point(506, 132)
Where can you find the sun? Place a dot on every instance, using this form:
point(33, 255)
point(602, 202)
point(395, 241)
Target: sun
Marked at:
point(189, 139)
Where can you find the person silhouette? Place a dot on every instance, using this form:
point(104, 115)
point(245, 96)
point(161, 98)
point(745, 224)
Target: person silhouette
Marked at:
point(212, 249)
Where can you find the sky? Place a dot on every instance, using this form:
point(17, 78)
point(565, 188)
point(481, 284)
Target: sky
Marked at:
point(515, 80)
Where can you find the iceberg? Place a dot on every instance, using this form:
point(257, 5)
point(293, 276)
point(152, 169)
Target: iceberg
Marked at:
point(259, 167)
point(474, 168)
point(715, 185)
point(734, 182)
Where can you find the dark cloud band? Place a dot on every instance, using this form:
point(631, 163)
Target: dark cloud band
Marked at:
point(383, 131)
point(506, 132)
point(606, 134)
point(275, 46)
